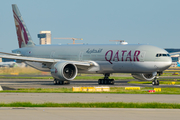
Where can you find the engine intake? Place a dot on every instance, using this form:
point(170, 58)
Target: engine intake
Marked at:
point(69, 71)
point(64, 71)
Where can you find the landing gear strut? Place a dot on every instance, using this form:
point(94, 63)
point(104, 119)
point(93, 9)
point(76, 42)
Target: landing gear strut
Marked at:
point(106, 80)
point(60, 82)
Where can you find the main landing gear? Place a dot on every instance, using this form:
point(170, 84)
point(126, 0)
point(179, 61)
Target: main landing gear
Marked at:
point(106, 80)
point(60, 82)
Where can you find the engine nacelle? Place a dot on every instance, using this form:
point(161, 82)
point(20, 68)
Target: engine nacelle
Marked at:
point(64, 71)
point(144, 76)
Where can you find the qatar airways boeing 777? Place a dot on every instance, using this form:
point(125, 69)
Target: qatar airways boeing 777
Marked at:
point(144, 62)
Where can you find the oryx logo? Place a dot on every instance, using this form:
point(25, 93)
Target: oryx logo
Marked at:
point(56, 70)
point(21, 31)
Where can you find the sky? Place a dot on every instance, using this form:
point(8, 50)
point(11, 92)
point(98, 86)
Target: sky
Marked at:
point(154, 22)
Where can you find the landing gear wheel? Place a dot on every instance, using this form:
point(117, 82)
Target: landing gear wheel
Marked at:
point(157, 82)
point(55, 82)
point(111, 81)
point(153, 82)
point(66, 82)
point(58, 82)
point(106, 80)
point(61, 82)
point(99, 81)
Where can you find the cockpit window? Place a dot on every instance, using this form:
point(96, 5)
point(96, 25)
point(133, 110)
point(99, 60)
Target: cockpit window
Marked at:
point(164, 55)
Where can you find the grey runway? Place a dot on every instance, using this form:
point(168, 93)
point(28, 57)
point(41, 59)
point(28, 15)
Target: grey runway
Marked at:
point(88, 114)
point(86, 97)
point(48, 83)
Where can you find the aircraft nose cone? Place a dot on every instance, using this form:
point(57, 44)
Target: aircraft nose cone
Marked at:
point(166, 64)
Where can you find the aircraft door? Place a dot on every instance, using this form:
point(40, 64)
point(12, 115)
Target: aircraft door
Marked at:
point(142, 56)
point(81, 56)
point(52, 54)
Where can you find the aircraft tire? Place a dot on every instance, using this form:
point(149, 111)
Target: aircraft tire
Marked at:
point(106, 81)
point(66, 82)
point(153, 82)
point(157, 82)
point(99, 81)
point(102, 81)
point(61, 82)
point(58, 82)
point(112, 82)
point(55, 82)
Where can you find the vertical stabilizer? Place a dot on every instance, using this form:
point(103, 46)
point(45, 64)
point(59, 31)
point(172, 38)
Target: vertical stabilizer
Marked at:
point(23, 35)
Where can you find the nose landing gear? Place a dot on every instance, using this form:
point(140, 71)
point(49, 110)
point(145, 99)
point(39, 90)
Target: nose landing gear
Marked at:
point(155, 81)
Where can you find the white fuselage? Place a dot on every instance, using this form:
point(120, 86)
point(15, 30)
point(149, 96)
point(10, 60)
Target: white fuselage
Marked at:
point(107, 58)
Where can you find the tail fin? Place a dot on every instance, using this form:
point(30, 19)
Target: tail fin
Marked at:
point(23, 35)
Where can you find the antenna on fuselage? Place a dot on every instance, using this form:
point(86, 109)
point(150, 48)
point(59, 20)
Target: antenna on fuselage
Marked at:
point(122, 42)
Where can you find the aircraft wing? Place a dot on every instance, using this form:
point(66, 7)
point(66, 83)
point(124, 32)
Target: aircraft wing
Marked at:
point(15, 54)
point(44, 60)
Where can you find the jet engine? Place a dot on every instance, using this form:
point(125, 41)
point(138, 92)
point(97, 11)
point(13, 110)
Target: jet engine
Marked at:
point(64, 71)
point(144, 76)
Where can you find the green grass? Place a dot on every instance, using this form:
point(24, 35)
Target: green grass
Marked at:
point(169, 74)
point(116, 90)
point(41, 90)
point(20, 71)
point(94, 105)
